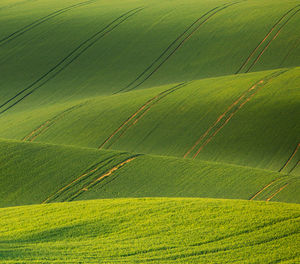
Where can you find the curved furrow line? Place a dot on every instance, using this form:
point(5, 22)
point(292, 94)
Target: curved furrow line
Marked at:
point(278, 191)
point(198, 24)
point(144, 107)
point(267, 46)
point(78, 51)
point(40, 21)
point(220, 118)
point(89, 172)
point(295, 46)
point(145, 111)
point(290, 157)
point(224, 249)
point(243, 232)
point(294, 167)
point(264, 188)
point(48, 123)
point(102, 177)
point(265, 38)
point(168, 48)
point(225, 117)
point(248, 231)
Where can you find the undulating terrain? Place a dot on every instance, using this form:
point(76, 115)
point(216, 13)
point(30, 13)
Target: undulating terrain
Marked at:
point(149, 131)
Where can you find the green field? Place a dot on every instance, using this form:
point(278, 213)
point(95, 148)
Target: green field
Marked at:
point(182, 231)
point(104, 103)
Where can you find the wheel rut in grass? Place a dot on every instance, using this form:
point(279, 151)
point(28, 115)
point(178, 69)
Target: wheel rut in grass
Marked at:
point(274, 187)
point(91, 177)
point(225, 117)
point(294, 167)
point(285, 165)
point(264, 188)
point(173, 47)
point(40, 21)
point(64, 63)
point(135, 117)
point(50, 122)
point(260, 49)
point(278, 191)
point(293, 48)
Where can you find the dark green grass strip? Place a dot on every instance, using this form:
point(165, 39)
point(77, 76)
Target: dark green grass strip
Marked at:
point(40, 21)
point(135, 117)
point(151, 69)
point(53, 72)
point(225, 117)
point(87, 173)
point(265, 38)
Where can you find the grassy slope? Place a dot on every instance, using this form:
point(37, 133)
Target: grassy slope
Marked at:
point(72, 104)
point(182, 231)
point(134, 44)
point(173, 124)
point(30, 173)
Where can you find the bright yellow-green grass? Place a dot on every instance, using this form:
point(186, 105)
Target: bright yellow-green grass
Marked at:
point(161, 230)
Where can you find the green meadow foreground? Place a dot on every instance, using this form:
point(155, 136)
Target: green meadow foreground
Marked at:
point(161, 230)
point(107, 99)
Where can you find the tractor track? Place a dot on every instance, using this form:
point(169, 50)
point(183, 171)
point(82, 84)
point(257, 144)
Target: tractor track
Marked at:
point(102, 177)
point(53, 72)
point(267, 46)
point(264, 188)
point(278, 191)
point(50, 122)
point(290, 157)
point(294, 167)
point(225, 117)
point(40, 21)
point(266, 37)
point(136, 116)
point(89, 172)
point(148, 72)
point(295, 46)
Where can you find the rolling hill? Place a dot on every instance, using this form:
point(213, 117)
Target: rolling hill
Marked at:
point(104, 103)
point(182, 231)
point(46, 173)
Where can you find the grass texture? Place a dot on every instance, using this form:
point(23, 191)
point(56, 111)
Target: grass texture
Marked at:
point(46, 173)
point(182, 231)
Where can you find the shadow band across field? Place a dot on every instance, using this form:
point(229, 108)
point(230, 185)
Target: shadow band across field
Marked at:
point(225, 117)
point(40, 21)
point(134, 118)
point(202, 130)
point(58, 68)
point(173, 47)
